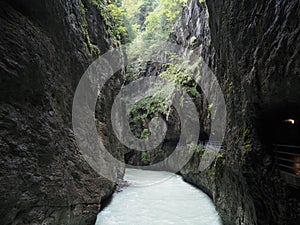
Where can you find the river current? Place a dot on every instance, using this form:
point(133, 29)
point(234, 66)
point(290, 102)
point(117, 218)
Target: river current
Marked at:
point(158, 198)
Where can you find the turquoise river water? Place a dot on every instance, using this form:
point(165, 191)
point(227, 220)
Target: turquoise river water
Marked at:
point(158, 198)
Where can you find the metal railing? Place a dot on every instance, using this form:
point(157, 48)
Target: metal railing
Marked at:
point(288, 162)
point(212, 145)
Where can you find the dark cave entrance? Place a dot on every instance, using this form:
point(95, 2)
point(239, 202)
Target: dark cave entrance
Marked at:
point(281, 125)
point(280, 132)
point(203, 137)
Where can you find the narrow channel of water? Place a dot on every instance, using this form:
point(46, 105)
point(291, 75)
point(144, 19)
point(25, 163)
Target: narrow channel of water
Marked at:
point(158, 198)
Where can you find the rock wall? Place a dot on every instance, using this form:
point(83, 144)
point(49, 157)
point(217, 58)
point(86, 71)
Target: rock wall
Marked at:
point(191, 31)
point(254, 51)
point(46, 46)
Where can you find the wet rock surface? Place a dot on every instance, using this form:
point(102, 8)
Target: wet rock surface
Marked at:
point(254, 50)
point(45, 48)
point(255, 56)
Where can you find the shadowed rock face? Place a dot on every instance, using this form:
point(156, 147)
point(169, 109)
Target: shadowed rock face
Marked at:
point(255, 53)
point(254, 49)
point(45, 49)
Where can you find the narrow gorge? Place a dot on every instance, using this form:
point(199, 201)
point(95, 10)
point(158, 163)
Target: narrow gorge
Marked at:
point(213, 91)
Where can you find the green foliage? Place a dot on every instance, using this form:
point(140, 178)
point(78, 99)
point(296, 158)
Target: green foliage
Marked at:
point(94, 50)
point(220, 156)
point(178, 72)
point(137, 12)
point(151, 21)
point(145, 157)
point(156, 104)
point(210, 111)
point(145, 134)
point(115, 18)
point(218, 164)
point(162, 19)
point(247, 140)
point(159, 100)
point(130, 75)
point(133, 71)
point(198, 149)
point(117, 23)
point(142, 112)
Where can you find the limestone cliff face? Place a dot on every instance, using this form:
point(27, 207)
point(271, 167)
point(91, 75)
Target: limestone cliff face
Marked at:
point(46, 46)
point(255, 54)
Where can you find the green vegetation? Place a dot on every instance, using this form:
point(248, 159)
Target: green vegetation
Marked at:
point(178, 71)
point(139, 20)
point(114, 17)
point(160, 21)
point(145, 157)
point(137, 12)
point(94, 50)
point(150, 22)
point(247, 140)
point(219, 156)
point(157, 103)
point(152, 19)
point(115, 21)
point(144, 24)
point(218, 165)
point(199, 149)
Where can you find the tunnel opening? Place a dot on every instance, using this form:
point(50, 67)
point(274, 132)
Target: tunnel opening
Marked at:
point(281, 125)
point(280, 132)
point(203, 139)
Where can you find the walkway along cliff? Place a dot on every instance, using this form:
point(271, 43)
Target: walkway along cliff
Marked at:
point(254, 49)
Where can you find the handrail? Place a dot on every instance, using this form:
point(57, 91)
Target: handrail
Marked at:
point(212, 142)
point(289, 167)
point(214, 145)
point(287, 153)
point(217, 142)
point(288, 146)
point(288, 160)
point(290, 174)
